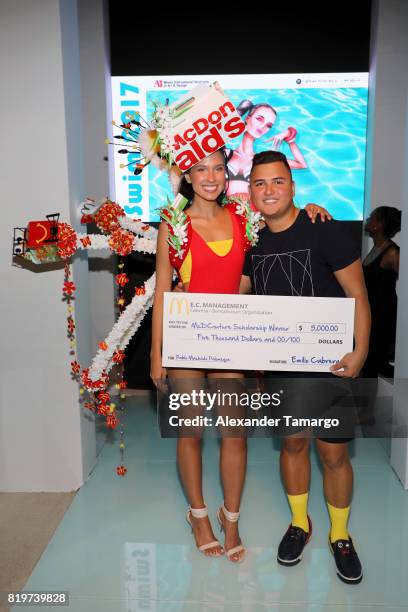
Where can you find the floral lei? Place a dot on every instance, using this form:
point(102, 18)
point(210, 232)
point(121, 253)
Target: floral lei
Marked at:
point(179, 225)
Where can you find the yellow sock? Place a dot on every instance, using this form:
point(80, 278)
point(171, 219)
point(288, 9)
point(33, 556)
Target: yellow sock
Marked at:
point(338, 519)
point(298, 505)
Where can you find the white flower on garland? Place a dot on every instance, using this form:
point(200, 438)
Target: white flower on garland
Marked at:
point(243, 208)
point(97, 241)
point(176, 218)
point(123, 330)
point(162, 120)
point(253, 225)
point(136, 227)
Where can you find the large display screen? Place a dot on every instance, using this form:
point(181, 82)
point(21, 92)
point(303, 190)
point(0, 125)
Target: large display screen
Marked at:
point(317, 120)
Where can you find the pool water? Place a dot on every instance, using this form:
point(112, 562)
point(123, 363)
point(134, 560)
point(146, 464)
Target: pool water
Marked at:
point(331, 135)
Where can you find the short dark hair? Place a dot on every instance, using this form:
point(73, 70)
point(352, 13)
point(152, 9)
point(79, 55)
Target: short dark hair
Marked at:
point(390, 219)
point(270, 157)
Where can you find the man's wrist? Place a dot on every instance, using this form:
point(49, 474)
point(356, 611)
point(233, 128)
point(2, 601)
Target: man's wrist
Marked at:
point(361, 352)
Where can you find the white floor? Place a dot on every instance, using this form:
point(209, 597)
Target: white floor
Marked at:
point(124, 544)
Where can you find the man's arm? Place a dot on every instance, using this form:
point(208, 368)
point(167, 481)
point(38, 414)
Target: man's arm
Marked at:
point(351, 279)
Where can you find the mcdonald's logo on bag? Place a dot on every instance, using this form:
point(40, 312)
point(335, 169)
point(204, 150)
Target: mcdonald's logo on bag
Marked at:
point(180, 303)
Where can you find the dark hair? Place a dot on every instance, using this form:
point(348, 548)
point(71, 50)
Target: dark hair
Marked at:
point(186, 189)
point(390, 219)
point(270, 157)
point(246, 106)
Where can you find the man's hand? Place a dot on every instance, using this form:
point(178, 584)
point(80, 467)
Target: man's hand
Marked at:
point(349, 366)
point(178, 288)
point(314, 209)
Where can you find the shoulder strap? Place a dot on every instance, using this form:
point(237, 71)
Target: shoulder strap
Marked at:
point(392, 244)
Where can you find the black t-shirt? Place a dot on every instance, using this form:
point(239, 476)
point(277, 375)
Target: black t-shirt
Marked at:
point(301, 260)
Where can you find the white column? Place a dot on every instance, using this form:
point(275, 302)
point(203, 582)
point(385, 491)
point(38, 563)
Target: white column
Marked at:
point(47, 442)
point(96, 105)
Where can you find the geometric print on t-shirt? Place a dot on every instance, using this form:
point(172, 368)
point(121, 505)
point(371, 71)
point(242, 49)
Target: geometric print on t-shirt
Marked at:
point(291, 270)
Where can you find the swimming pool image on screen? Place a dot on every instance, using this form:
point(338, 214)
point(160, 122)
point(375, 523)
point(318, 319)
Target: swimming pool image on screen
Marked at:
point(330, 124)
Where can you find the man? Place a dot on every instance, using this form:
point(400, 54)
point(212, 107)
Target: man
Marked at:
point(296, 257)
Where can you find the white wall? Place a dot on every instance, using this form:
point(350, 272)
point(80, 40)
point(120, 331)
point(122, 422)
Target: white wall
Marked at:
point(387, 160)
point(387, 98)
point(96, 96)
point(399, 447)
point(47, 443)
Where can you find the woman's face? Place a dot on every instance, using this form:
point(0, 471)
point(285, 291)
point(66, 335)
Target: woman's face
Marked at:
point(261, 120)
point(207, 178)
point(372, 224)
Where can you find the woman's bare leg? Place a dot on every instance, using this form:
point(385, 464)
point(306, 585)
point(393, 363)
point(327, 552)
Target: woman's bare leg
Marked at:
point(233, 457)
point(189, 459)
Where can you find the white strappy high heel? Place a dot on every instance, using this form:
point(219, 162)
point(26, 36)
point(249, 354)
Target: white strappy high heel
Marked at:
point(232, 517)
point(202, 513)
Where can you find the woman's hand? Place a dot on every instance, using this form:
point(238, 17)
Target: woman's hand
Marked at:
point(314, 209)
point(158, 374)
point(164, 275)
point(277, 139)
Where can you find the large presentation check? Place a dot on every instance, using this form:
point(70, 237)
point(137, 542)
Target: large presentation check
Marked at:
point(255, 332)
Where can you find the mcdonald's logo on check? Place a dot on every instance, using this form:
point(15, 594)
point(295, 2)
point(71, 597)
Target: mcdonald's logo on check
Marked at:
point(181, 304)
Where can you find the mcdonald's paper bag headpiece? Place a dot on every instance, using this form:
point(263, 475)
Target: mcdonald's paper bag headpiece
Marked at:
point(183, 133)
point(203, 121)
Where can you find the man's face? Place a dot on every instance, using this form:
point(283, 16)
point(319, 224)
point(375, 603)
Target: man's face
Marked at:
point(272, 189)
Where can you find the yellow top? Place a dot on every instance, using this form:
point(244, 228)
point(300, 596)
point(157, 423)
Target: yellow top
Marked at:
point(219, 247)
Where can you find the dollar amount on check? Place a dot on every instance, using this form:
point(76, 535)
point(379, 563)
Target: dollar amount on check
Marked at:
point(255, 332)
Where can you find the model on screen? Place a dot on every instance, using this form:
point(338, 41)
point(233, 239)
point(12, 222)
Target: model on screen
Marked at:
point(260, 118)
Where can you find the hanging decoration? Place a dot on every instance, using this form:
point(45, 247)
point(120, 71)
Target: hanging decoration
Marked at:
point(51, 241)
point(163, 143)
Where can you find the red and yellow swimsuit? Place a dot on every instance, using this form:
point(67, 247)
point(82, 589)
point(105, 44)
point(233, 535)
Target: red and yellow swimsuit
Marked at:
point(213, 267)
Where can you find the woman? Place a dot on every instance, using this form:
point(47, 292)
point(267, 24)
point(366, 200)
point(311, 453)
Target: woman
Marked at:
point(260, 118)
point(211, 262)
point(381, 273)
